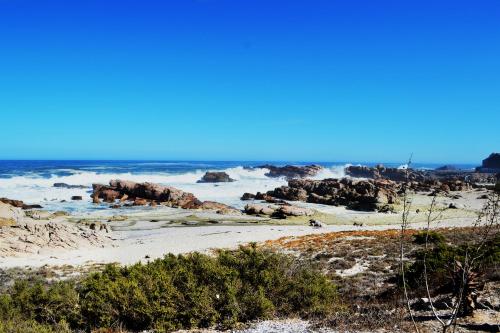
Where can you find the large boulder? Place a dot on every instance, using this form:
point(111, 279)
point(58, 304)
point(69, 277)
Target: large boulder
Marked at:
point(215, 177)
point(277, 211)
point(291, 171)
point(258, 209)
point(219, 208)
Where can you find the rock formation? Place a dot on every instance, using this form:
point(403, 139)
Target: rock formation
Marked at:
point(29, 237)
point(141, 194)
point(367, 195)
point(18, 204)
point(291, 171)
point(443, 174)
point(215, 177)
point(491, 164)
point(381, 172)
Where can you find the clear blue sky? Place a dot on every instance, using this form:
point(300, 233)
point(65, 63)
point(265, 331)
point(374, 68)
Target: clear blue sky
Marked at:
point(250, 80)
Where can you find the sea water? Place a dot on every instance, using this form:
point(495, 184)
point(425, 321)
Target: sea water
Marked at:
point(32, 181)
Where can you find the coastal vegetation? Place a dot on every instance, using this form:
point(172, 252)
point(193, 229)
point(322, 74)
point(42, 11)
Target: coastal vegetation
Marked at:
point(175, 292)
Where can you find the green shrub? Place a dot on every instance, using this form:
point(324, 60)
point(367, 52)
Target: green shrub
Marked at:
point(433, 237)
point(19, 325)
point(441, 259)
point(178, 292)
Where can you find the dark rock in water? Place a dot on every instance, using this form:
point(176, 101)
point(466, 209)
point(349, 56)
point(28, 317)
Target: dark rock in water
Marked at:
point(215, 177)
point(64, 185)
point(19, 204)
point(76, 197)
point(491, 164)
point(291, 171)
point(247, 196)
point(447, 168)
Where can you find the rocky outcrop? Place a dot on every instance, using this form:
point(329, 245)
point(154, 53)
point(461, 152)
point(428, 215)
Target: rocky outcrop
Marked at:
point(18, 204)
point(366, 195)
point(64, 185)
point(30, 237)
point(247, 196)
point(142, 194)
point(491, 164)
point(167, 195)
point(425, 177)
point(215, 177)
point(291, 171)
point(219, 208)
point(381, 172)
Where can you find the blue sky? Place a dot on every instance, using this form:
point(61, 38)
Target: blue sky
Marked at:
point(250, 80)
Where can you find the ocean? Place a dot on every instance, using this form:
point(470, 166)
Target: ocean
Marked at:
point(32, 180)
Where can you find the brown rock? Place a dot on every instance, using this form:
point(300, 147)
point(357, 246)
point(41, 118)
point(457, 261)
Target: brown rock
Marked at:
point(140, 202)
point(257, 209)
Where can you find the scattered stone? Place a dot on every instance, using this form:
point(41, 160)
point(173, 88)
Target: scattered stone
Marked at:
point(76, 197)
point(315, 223)
point(215, 177)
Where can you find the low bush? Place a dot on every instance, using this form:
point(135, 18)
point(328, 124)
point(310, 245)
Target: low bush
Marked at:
point(441, 262)
point(176, 292)
point(432, 237)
